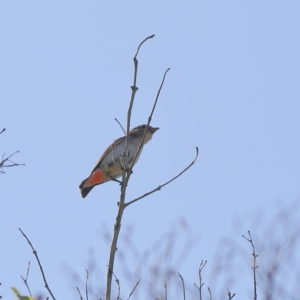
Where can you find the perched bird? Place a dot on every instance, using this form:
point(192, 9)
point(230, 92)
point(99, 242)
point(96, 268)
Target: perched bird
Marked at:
point(109, 166)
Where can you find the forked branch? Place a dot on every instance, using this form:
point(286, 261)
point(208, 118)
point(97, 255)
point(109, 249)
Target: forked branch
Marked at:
point(127, 171)
point(40, 265)
point(202, 265)
point(125, 178)
point(149, 120)
point(6, 162)
point(25, 280)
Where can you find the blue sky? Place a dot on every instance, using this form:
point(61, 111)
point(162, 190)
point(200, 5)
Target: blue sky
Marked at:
point(233, 91)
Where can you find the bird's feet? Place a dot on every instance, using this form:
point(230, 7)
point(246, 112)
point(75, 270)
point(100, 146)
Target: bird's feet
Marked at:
point(116, 180)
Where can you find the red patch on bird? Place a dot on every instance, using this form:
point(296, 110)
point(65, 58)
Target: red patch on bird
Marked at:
point(95, 178)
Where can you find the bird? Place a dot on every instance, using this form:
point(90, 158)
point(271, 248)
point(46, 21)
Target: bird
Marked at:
point(109, 166)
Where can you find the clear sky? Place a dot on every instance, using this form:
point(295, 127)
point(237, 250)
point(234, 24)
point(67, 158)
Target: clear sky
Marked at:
point(233, 90)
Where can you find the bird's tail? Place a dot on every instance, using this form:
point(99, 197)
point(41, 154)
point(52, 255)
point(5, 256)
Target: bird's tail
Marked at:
point(84, 190)
point(87, 184)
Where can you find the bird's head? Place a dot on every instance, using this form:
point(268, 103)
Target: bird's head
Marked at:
point(138, 132)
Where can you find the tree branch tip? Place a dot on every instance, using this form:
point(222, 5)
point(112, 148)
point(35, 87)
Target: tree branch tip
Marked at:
point(138, 49)
point(120, 125)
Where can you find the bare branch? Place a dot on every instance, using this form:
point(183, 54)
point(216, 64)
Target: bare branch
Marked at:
point(254, 263)
point(138, 49)
point(230, 296)
point(7, 159)
point(86, 285)
point(125, 179)
point(149, 120)
point(118, 284)
point(210, 295)
point(134, 88)
point(161, 186)
point(166, 292)
point(79, 293)
point(41, 268)
point(133, 289)
point(202, 265)
point(183, 287)
point(25, 279)
point(120, 125)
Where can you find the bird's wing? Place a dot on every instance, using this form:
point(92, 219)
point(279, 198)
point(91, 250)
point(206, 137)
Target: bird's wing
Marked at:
point(108, 151)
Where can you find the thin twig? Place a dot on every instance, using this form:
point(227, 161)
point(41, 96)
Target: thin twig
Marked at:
point(120, 125)
point(25, 279)
point(125, 179)
point(183, 287)
point(254, 262)
point(118, 284)
point(210, 295)
point(149, 120)
point(230, 296)
point(41, 268)
point(133, 289)
point(119, 162)
point(166, 292)
point(202, 265)
point(86, 285)
point(134, 88)
point(7, 159)
point(79, 293)
point(161, 186)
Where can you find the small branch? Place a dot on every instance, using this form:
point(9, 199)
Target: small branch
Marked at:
point(133, 289)
point(254, 262)
point(79, 293)
point(229, 295)
point(149, 120)
point(183, 287)
point(134, 88)
point(41, 268)
point(158, 93)
point(125, 179)
point(25, 279)
point(202, 265)
point(7, 159)
point(161, 186)
point(166, 292)
point(86, 285)
point(118, 284)
point(210, 295)
point(120, 125)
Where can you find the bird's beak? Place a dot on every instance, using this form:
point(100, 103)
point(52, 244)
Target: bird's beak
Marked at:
point(153, 129)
